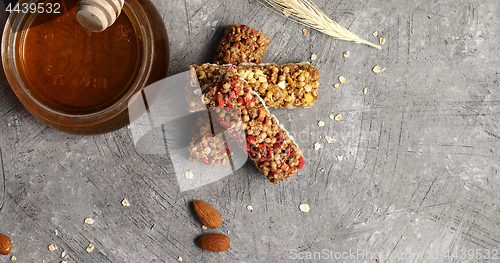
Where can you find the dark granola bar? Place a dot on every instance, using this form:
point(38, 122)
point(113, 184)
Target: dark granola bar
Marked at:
point(241, 44)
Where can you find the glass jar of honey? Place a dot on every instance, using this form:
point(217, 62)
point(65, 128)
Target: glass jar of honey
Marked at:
point(77, 81)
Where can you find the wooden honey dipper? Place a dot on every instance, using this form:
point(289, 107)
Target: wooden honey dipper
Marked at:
point(97, 15)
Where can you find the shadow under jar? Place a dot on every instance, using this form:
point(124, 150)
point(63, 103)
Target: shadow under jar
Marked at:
point(77, 81)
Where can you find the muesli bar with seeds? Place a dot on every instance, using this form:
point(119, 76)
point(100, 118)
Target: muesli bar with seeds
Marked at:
point(241, 44)
point(280, 86)
point(238, 108)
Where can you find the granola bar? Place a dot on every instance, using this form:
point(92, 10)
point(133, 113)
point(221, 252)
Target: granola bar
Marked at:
point(207, 146)
point(280, 86)
point(238, 108)
point(241, 44)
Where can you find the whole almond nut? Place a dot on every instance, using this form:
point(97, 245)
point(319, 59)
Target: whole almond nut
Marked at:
point(207, 214)
point(5, 244)
point(214, 242)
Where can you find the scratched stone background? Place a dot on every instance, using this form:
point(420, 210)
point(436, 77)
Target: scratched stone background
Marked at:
point(420, 168)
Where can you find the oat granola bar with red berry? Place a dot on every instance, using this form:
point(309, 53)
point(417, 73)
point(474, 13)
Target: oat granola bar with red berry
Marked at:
point(244, 114)
point(280, 86)
point(241, 43)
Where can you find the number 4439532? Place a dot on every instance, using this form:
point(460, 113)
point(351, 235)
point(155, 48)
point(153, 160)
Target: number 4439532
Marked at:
point(473, 254)
point(34, 8)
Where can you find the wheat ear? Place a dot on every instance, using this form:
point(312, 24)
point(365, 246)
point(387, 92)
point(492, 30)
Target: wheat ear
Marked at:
point(308, 14)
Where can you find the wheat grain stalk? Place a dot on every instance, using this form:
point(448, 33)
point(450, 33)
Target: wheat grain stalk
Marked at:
point(308, 14)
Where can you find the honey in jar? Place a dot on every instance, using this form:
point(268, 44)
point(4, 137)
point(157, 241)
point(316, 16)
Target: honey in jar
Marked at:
point(75, 68)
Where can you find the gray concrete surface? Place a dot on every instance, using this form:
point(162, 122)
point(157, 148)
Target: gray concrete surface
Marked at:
point(419, 177)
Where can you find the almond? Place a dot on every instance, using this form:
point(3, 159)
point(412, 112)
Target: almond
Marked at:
point(214, 242)
point(5, 244)
point(207, 214)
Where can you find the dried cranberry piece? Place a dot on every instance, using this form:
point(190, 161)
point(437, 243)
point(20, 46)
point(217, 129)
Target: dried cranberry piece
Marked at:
point(251, 139)
point(237, 90)
point(266, 119)
point(301, 162)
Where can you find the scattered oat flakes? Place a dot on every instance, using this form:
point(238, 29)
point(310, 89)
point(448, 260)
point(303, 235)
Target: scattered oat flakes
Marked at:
point(13, 258)
point(382, 40)
point(323, 169)
point(304, 32)
point(179, 259)
point(89, 221)
point(365, 90)
point(304, 207)
point(329, 139)
point(189, 174)
point(63, 254)
point(125, 202)
point(313, 56)
point(52, 247)
point(64, 261)
point(340, 158)
point(346, 54)
point(331, 116)
point(57, 232)
point(128, 127)
point(67, 256)
point(90, 248)
point(204, 227)
point(317, 146)
point(321, 123)
point(338, 117)
point(336, 85)
point(84, 229)
point(342, 80)
point(249, 208)
point(376, 69)
point(375, 33)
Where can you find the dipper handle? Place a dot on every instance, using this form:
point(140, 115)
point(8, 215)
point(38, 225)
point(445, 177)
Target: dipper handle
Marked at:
point(97, 15)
